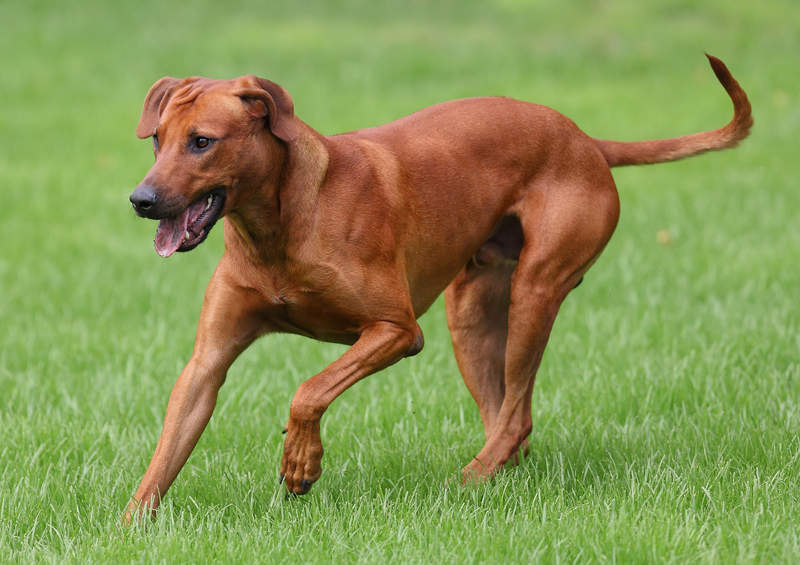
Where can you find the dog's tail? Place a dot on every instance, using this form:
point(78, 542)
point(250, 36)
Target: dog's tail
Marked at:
point(618, 153)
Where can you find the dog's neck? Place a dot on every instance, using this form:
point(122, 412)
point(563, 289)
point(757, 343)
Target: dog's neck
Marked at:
point(283, 212)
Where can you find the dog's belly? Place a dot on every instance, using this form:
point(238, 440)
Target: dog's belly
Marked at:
point(502, 246)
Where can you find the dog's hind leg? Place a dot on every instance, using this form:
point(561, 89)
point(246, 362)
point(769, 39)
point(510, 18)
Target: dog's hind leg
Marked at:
point(477, 303)
point(565, 228)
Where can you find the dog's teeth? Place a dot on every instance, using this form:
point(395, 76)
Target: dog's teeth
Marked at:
point(186, 235)
point(209, 201)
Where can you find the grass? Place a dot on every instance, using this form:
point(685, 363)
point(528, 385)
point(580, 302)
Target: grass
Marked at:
point(666, 411)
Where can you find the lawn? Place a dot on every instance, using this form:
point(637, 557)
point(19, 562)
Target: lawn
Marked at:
point(667, 407)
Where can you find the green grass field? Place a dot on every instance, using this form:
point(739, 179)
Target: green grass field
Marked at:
point(667, 408)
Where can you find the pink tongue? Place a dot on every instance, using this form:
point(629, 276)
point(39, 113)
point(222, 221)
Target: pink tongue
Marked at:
point(170, 233)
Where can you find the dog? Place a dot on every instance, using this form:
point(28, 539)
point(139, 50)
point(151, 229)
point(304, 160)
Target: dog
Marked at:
point(501, 204)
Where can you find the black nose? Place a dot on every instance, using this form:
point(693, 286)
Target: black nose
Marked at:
point(143, 198)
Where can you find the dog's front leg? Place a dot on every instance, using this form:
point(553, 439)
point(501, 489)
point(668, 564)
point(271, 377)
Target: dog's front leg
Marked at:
point(379, 346)
point(228, 324)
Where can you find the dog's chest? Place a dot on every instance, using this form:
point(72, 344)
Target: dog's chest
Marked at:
point(313, 300)
point(309, 313)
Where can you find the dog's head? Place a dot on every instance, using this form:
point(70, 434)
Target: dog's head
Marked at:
point(213, 141)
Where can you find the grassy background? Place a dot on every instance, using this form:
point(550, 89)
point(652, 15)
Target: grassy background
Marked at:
point(666, 410)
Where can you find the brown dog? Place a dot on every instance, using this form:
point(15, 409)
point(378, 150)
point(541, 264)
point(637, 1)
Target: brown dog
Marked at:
point(501, 204)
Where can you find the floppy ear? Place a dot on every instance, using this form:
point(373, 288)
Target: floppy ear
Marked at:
point(154, 104)
point(267, 99)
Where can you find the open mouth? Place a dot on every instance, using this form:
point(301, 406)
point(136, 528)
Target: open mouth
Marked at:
point(190, 228)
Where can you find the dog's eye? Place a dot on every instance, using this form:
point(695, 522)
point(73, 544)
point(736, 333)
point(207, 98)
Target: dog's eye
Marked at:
point(200, 143)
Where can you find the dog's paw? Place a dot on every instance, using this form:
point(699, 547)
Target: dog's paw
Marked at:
point(302, 455)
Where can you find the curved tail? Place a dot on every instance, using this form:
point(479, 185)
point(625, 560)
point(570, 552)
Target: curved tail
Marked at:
point(618, 153)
